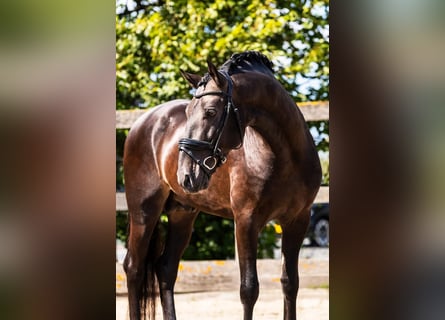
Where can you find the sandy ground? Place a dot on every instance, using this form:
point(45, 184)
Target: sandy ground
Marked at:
point(209, 289)
point(312, 304)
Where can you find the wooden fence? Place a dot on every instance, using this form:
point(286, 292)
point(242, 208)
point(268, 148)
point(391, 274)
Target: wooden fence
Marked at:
point(312, 111)
point(121, 202)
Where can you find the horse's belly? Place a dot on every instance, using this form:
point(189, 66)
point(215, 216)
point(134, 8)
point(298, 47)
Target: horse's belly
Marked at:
point(207, 202)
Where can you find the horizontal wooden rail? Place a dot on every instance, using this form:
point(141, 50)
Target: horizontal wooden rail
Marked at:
point(312, 111)
point(121, 202)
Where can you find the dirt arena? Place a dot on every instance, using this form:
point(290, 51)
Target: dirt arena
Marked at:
point(209, 289)
point(313, 304)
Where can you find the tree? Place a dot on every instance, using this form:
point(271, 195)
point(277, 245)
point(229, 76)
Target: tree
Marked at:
point(157, 38)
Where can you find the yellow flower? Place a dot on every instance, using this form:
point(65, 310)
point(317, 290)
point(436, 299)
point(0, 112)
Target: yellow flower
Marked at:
point(120, 277)
point(278, 228)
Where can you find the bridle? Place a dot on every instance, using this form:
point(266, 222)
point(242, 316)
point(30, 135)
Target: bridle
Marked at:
point(216, 158)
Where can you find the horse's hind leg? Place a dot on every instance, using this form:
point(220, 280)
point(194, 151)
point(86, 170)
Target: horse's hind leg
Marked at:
point(144, 210)
point(292, 238)
point(180, 225)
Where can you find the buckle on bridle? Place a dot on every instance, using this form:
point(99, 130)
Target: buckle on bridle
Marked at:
point(210, 165)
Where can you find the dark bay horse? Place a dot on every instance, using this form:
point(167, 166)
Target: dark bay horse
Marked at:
point(239, 149)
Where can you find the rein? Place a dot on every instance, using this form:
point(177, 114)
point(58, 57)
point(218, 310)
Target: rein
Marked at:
point(216, 158)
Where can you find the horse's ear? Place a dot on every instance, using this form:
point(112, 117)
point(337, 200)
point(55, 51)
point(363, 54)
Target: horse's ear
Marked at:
point(216, 76)
point(193, 79)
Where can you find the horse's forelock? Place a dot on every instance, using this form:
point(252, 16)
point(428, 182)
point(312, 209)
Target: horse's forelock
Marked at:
point(204, 80)
point(237, 60)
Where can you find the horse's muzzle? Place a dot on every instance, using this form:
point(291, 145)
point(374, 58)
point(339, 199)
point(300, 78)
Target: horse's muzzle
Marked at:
point(203, 153)
point(192, 185)
point(189, 184)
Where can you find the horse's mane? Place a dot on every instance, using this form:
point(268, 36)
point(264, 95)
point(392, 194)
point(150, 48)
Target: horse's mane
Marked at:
point(248, 61)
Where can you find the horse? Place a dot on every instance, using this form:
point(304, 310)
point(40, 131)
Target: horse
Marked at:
point(239, 149)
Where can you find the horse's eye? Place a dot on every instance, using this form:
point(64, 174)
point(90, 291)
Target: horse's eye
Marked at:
point(210, 113)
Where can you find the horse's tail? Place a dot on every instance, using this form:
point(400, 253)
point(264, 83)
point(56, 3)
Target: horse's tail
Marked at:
point(150, 287)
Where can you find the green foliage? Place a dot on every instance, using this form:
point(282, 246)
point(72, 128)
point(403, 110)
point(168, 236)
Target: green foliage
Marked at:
point(121, 226)
point(152, 44)
point(320, 132)
point(121, 135)
point(267, 242)
point(325, 170)
point(212, 238)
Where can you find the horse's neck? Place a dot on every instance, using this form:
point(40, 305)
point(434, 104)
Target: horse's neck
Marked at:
point(281, 125)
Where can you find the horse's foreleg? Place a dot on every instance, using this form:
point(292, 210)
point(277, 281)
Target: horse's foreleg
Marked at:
point(142, 252)
point(180, 225)
point(247, 243)
point(292, 238)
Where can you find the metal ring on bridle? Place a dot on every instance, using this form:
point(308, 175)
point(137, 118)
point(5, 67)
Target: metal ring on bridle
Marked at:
point(212, 165)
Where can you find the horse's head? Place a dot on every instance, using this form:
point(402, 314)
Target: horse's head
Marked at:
point(213, 129)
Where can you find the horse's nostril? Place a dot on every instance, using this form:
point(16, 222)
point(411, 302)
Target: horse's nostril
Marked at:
point(188, 182)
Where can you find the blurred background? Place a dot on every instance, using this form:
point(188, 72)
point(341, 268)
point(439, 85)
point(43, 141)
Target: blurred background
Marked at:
point(57, 159)
point(59, 88)
point(387, 95)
